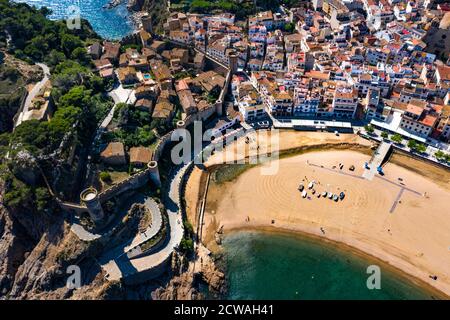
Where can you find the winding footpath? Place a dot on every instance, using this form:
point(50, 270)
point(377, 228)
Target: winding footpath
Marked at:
point(119, 95)
point(123, 267)
point(140, 238)
point(32, 94)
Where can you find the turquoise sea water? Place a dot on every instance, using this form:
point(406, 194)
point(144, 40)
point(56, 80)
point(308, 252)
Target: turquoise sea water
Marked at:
point(277, 266)
point(109, 23)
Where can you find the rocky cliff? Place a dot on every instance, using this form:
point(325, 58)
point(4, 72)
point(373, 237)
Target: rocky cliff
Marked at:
point(35, 250)
point(15, 74)
point(157, 9)
point(188, 275)
point(135, 5)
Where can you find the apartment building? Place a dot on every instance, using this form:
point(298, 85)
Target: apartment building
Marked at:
point(418, 119)
point(251, 106)
point(345, 101)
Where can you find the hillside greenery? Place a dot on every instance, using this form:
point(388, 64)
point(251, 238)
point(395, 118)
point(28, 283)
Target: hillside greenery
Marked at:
point(35, 38)
point(78, 95)
point(12, 90)
point(242, 9)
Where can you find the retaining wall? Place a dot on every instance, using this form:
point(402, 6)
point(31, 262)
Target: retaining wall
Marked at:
point(411, 154)
point(148, 274)
point(134, 182)
point(157, 153)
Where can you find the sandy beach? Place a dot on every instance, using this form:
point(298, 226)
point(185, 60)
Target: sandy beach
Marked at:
point(401, 218)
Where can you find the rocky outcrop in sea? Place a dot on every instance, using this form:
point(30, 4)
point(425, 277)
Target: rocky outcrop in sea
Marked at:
point(188, 275)
point(135, 5)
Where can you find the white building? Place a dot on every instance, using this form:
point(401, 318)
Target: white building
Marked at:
point(345, 101)
point(418, 120)
point(251, 107)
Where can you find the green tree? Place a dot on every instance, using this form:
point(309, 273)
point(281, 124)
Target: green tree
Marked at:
point(201, 6)
point(369, 128)
point(81, 55)
point(397, 138)
point(43, 198)
point(18, 194)
point(105, 176)
point(187, 246)
point(439, 155)
point(54, 58)
point(384, 135)
point(447, 157)
point(69, 43)
point(188, 229)
point(412, 144)
point(421, 148)
point(289, 27)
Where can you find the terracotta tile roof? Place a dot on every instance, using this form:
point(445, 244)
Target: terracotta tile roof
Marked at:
point(113, 149)
point(140, 155)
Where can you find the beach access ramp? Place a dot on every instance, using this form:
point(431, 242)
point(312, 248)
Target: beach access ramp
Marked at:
point(377, 160)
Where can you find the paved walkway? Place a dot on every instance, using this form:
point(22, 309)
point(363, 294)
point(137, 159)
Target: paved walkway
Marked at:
point(337, 171)
point(377, 160)
point(82, 233)
point(122, 267)
point(140, 238)
point(32, 94)
point(119, 95)
point(397, 200)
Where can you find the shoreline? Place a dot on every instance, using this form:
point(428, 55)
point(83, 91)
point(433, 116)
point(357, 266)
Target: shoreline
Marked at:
point(344, 248)
point(403, 262)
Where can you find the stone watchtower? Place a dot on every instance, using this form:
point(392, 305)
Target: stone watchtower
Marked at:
point(153, 169)
point(90, 198)
point(233, 59)
point(147, 23)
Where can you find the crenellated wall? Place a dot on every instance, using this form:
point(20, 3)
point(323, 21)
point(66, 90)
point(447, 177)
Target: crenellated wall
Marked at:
point(157, 153)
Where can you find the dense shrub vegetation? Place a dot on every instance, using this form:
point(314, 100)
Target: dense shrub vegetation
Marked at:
point(240, 8)
point(78, 94)
point(35, 38)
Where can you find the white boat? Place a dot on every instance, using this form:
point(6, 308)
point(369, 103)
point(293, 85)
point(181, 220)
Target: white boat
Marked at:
point(310, 185)
point(324, 194)
point(313, 191)
point(330, 195)
point(335, 197)
point(304, 194)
